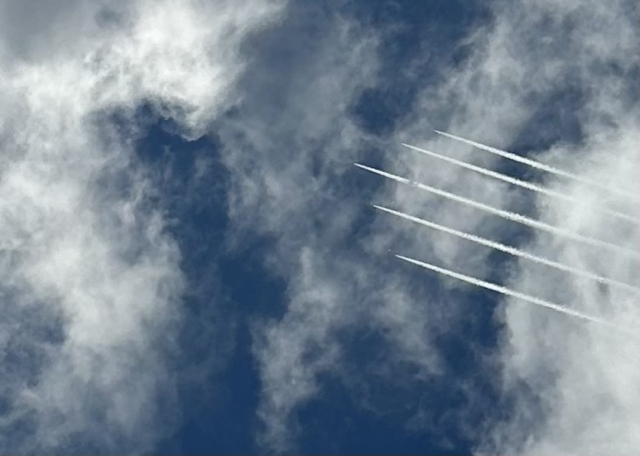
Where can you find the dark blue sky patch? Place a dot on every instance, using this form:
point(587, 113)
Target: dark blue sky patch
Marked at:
point(555, 120)
point(223, 419)
point(27, 353)
point(421, 42)
point(378, 111)
point(226, 289)
point(381, 403)
point(251, 283)
point(335, 422)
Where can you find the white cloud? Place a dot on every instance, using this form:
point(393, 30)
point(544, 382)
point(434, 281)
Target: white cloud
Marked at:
point(287, 155)
point(90, 279)
point(579, 374)
point(291, 136)
point(591, 405)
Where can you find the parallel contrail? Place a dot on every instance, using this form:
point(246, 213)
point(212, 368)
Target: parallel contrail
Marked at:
point(515, 294)
point(518, 182)
point(541, 166)
point(511, 250)
point(507, 215)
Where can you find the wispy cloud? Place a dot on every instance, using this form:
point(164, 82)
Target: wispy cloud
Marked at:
point(289, 140)
point(91, 279)
point(535, 51)
point(289, 146)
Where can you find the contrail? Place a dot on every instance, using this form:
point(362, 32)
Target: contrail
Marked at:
point(541, 166)
point(511, 250)
point(507, 215)
point(518, 182)
point(515, 294)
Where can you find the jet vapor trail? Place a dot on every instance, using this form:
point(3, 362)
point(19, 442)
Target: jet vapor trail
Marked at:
point(515, 294)
point(541, 166)
point(506, 215)
point(518, 182)
point(510, 250)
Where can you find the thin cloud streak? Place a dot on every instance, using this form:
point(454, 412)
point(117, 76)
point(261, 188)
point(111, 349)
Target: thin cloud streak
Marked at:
point(514, 294)
point(541, 166)
point(512, 251)
point(520, 183)
point(507, 215)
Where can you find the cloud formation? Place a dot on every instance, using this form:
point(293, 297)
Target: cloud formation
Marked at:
point(90, 278)
point(550, 79)
point(514, 91)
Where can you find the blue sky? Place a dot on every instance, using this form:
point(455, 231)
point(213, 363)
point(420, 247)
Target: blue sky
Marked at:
point(191, 263)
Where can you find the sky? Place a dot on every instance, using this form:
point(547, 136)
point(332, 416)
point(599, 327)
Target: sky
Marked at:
point(190, 262)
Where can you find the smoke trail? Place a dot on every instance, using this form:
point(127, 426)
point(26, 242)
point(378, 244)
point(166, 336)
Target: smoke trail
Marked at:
point(519, 182)
point(508, 215)
point(541, 166)
point(511, 250)
point(515, 294)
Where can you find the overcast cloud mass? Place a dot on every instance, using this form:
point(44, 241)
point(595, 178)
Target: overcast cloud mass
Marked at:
point(189, 258)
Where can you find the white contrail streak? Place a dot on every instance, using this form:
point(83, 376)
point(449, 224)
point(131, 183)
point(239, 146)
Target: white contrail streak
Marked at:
point(510, 250)
point(507, 215)
point(518, 182)
point(515, 294)
point(541, 166)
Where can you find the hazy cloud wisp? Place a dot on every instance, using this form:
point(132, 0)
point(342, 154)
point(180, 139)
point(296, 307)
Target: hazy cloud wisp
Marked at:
point(90, 278)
